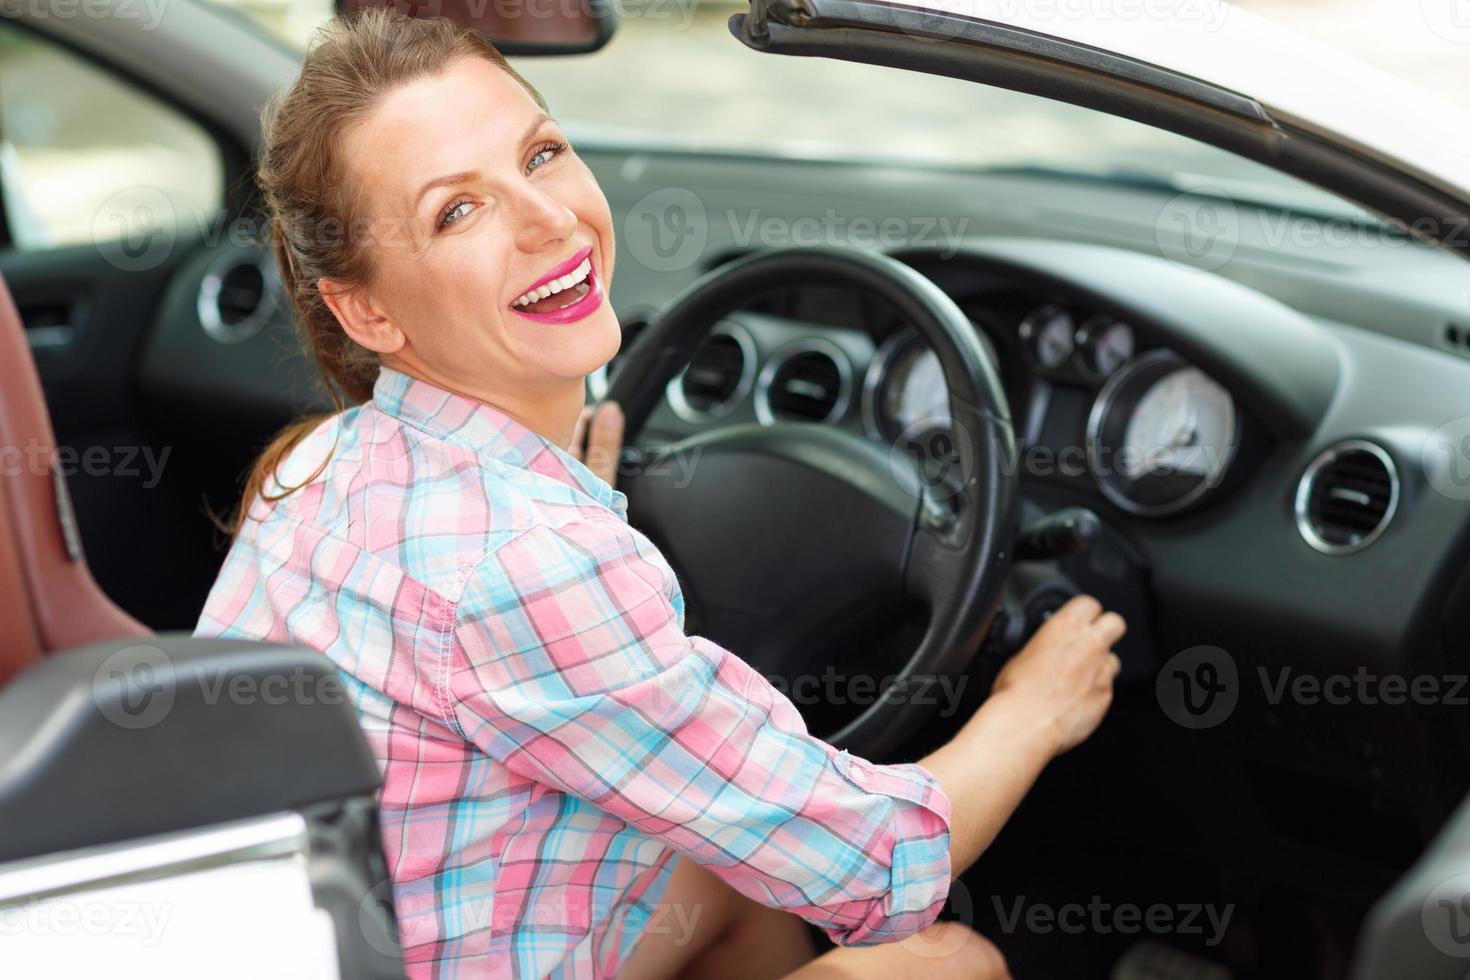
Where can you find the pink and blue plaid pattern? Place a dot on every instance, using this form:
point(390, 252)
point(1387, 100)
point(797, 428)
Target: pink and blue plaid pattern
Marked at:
point(549, 736)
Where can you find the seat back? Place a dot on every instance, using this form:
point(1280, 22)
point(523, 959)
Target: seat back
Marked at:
point(46, 590)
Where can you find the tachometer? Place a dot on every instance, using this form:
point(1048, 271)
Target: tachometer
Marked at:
point(904, 389)
point(1161, 434)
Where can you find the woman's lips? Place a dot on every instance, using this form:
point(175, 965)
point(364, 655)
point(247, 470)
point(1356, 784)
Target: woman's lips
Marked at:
point(576, 309)
point(561, 268)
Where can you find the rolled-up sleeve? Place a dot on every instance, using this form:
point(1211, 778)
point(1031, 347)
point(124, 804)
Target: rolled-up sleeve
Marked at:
point(569, 666)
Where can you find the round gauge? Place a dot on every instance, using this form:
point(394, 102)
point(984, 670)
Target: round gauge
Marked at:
point(1103, 346)
point(1047, 336)
point(1161, 434)
point(904, 388)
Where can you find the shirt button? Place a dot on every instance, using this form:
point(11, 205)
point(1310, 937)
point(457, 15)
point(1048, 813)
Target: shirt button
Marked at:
point(858, 776)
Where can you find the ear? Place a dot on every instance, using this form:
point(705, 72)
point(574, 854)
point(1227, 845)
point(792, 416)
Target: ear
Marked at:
point(360, 317)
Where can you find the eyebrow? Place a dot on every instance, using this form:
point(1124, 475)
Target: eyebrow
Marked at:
point(467, 175)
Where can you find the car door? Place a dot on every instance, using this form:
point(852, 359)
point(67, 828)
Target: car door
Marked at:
point(107, 187)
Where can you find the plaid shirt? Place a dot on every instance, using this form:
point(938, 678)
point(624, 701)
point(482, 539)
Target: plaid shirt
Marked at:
point(549, 736)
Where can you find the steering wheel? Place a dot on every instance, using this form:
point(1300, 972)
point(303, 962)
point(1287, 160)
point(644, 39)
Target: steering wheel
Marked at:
point(780, 531)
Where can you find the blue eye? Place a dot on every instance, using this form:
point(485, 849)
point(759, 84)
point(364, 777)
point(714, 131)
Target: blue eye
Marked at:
point(544, 155)
point(454, 214)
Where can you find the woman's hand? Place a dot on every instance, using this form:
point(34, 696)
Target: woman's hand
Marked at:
point(1047, 699)
point(1064, 674)
point(600, 447)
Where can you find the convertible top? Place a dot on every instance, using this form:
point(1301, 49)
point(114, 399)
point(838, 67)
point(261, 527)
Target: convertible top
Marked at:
point(1295, 78)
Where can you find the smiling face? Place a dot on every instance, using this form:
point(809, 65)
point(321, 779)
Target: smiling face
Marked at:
point(478, 209)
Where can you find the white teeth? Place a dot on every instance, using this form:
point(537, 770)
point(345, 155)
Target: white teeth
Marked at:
point(556, 285)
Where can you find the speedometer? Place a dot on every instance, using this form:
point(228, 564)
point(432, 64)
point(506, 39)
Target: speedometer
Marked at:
point(1161, 434)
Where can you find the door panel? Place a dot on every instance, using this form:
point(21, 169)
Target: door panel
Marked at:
point(106, 189)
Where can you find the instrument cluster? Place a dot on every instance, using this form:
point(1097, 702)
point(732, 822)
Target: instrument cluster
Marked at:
point(1157, 431)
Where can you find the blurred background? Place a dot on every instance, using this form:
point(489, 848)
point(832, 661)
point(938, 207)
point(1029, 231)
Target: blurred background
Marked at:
point(674, 76)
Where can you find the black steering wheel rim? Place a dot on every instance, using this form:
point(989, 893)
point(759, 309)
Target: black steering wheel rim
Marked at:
point(956, 558)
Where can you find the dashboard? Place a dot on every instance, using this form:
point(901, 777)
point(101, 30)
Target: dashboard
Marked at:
point(1094, 404)
point(1303, 507)
point(1271, 483)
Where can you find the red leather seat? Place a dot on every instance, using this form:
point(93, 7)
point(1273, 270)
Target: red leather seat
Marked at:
point(48, 598)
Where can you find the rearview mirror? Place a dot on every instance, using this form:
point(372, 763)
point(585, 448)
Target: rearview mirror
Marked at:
point(517, 27)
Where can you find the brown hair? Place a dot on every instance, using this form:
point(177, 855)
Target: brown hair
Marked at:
point(352, 64)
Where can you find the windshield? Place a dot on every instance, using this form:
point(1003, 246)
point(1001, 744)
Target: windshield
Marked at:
point(674, 77)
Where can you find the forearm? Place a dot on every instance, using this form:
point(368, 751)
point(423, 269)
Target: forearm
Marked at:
point(986, 770)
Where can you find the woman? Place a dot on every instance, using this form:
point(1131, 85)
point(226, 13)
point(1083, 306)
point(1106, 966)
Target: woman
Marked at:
point(572, 786)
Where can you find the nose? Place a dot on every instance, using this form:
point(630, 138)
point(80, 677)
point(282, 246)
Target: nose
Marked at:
point(541, 219)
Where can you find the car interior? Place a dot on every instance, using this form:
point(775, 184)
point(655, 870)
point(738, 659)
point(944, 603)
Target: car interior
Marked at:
point(1257, 459)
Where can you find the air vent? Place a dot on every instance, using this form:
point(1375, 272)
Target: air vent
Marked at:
point(1346, 497)
point(237, 297)
point(718, 376)
point(810, 381)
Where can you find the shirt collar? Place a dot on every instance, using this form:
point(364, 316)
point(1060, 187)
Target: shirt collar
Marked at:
point(488, 431)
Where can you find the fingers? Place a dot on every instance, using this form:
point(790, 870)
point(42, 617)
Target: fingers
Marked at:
point(1110, 628)
point(605, 442)
point(1085, 611)
point(1080, 609)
